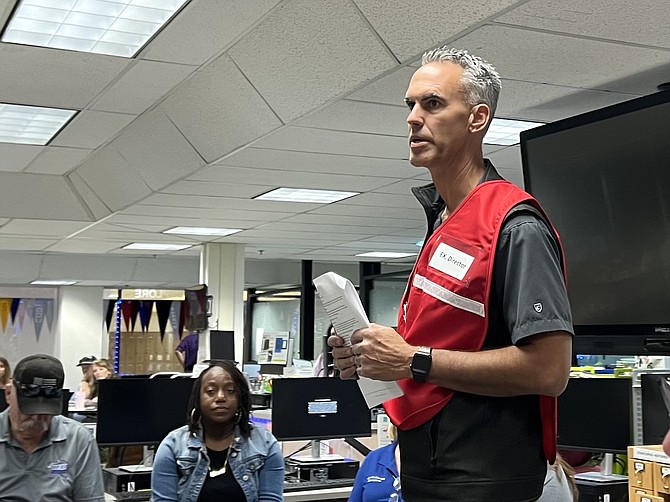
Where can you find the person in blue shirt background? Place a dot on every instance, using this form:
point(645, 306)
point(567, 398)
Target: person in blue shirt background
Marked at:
point(378, 479)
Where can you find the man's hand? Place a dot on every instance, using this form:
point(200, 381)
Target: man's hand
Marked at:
point(377, 352)
point(342, 357)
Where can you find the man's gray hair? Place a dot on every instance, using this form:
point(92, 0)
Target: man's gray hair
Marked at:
point(480, 81)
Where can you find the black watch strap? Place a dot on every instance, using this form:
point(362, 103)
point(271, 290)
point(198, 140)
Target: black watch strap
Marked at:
point(421, 363)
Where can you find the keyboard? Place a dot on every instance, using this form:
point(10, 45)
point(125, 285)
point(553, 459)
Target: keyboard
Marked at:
point(138, 496)
point(294, 484)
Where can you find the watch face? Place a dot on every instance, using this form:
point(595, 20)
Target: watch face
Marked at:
point(421, 363)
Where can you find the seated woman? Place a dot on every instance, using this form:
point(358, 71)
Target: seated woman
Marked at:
point(5, 377)
point(219, 454)
point(101, 369)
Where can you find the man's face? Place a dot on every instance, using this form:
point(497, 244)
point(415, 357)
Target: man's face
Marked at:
point(26, 426)
point(439, 117)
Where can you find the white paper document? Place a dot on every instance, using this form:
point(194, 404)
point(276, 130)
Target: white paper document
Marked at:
point(343, 306)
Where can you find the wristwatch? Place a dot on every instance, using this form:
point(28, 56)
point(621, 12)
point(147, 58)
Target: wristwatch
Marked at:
point(421, 362)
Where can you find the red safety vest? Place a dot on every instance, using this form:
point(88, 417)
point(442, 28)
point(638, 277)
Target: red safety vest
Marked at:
point(446, 300)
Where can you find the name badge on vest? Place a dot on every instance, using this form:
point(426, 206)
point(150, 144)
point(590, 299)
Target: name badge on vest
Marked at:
point(451, 261)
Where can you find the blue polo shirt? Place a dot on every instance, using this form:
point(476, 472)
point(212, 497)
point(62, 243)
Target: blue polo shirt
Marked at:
point(376, 477)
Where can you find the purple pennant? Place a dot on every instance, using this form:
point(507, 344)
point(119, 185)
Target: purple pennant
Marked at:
point(163, 308)
point(15, 308)
point(146, 309)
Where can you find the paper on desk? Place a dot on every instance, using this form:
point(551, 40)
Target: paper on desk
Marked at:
point(344, 308)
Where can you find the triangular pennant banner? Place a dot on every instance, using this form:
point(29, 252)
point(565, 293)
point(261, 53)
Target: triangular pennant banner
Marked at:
point(175, 319)
point(146, 309)
point(163, 308)
point(185, 310)
point(5, 309)
point(38, 316)
point(21, 313)
point(129, 309)
point(108, 307)
point(15, 307)
point(30, 306)
point(49, 313)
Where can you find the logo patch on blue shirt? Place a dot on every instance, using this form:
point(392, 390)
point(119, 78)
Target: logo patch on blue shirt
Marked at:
point(375, 479)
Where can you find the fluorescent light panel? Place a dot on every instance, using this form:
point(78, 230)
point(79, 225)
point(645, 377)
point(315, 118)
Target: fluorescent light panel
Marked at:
point(506, 132)
point(385, 254)
point(305, 195)
point(219, 232)
point(47, 282)
point(145, 246)
point(114, 27)
point(31, 125)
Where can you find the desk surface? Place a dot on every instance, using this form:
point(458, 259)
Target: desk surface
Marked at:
point(341, 493)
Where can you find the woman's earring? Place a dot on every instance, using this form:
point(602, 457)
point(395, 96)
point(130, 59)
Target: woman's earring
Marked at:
point(238, 416)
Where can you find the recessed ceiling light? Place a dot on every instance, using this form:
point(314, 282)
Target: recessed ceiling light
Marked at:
point(506, 132)
point(219, 232)
point(305, 195)
point(31, 125)
point(114, 27)
point(144, 246)
point(47, 282)
point(385, 254)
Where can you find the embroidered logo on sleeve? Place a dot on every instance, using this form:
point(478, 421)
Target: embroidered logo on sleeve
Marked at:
point(451, 261)
point(538, 307)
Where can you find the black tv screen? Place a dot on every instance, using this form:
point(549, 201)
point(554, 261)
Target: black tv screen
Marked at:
point(595, 414)
point(604, 179)
point(140, 411)
point(318, 408)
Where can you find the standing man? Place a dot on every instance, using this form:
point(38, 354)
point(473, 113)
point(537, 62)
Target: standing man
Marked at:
point(187, 351)
point(484, 338)
point(43, 455)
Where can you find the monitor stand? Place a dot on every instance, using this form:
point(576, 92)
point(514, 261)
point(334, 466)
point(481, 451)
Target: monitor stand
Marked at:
point(317, 456)
point(147, 461)
point(605, 475)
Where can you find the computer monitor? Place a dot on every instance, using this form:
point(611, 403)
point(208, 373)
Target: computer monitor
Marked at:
point(594, 414)
point(655, 418)
point(140, 411)
point(222, 345)
point(318, 408)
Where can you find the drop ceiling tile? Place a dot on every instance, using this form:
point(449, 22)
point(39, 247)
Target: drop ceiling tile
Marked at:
point(409, 30)
point(81, 245)
point(230, 203)
point(210, 188)
point(382, 200)
point(312, 162)
point(42, 228)
point(607, 19)
point(305, 53)
point(39, 196)
point(548, 103)
point(389, 89)
point(305, 139)
point(379, 212)
point(141, 86)
point(57, 160)
point(601, 65)
point(15, 158)
point(359, 116)
point(112, 179)
point(55, 85)
point(362, 220)
point(218, 110)
point(24, 244)
point(208, 27)
point(156, 150)
point(295, 179)
point(90, 129)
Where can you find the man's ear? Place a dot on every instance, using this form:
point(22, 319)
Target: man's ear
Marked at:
point(480, 116)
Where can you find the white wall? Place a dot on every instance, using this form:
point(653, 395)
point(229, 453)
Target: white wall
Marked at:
point(80, 329)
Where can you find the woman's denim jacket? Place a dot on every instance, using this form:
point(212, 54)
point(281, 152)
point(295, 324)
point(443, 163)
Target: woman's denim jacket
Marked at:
point(181, 466)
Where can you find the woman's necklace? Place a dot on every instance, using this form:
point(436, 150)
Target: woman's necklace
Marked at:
point(221, 470)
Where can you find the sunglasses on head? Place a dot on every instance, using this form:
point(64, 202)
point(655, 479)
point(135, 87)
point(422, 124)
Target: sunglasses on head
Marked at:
point(34, 390)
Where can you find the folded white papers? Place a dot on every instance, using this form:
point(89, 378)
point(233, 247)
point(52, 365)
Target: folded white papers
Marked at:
point(344, 308)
